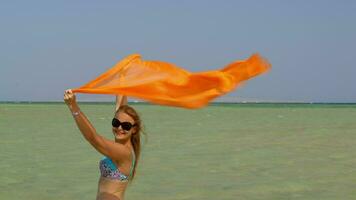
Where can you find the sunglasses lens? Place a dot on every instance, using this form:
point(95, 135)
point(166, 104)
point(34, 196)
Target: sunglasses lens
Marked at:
point(115, 123)
point(126, 126)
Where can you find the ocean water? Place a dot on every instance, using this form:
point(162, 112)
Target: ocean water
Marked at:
point(223, 151)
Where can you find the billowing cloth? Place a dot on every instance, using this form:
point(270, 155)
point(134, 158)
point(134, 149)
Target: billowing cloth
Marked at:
point(166, 84)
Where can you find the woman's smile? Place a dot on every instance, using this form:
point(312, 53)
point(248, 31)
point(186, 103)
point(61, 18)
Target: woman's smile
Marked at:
point(118, 132)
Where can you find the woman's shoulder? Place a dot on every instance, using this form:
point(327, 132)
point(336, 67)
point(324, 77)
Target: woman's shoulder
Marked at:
point(125, 159)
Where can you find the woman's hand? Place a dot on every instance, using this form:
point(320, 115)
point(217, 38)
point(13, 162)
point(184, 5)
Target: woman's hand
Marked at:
point(69, 98)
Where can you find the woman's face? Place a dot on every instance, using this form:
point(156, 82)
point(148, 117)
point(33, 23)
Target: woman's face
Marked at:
point(119, 132)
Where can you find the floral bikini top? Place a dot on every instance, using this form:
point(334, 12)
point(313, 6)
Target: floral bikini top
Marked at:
point(108, 169)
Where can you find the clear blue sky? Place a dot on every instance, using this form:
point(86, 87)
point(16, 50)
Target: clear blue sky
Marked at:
point(48, 46)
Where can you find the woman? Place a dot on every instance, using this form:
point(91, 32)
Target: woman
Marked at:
point(119, 164)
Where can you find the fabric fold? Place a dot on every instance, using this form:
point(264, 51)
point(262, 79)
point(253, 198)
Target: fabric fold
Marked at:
point(167, 84)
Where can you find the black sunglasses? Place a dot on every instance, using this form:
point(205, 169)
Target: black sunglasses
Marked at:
point(125, 125)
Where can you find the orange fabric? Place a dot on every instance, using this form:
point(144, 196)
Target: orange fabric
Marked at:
point(166, 84)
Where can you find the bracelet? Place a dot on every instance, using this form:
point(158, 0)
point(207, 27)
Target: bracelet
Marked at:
point(75, 113)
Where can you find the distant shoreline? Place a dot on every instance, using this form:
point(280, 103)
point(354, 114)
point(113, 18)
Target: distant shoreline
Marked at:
point(213, 103)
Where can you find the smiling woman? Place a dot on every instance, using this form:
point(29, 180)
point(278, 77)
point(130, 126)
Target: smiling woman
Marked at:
point(118, 166)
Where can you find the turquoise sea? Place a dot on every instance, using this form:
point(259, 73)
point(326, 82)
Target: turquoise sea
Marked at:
point(223, 151)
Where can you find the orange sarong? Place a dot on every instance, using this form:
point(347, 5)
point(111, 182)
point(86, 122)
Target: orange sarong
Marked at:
point(166, 84)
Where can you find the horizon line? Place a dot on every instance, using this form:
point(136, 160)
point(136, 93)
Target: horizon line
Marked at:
point(214, 102)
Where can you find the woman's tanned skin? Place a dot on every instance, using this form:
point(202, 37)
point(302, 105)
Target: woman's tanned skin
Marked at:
point(119, 149)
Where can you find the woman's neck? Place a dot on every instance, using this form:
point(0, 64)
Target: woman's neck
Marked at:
point(126, 142)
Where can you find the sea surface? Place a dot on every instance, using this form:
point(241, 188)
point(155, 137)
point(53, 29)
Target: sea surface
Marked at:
point(223, 151)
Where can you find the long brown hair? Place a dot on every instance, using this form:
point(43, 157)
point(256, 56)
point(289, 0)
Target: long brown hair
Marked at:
point(135, 138)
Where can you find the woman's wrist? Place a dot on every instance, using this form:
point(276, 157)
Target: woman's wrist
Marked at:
point(75, 111)
point(74, 107)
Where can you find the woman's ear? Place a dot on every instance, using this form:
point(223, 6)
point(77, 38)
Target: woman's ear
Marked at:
point(134, 130)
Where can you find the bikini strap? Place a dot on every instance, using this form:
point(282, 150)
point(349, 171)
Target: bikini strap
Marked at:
point(133, 163)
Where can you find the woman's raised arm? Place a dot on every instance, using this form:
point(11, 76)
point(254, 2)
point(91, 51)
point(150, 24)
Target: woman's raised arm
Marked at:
point(120, 101)
point(101, 144)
